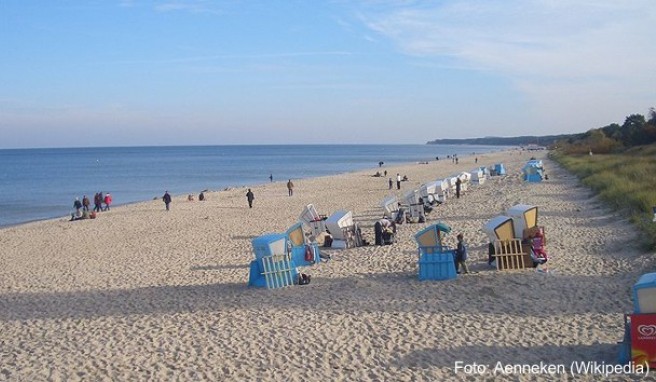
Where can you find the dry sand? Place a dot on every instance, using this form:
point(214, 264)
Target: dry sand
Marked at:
point(144, 294)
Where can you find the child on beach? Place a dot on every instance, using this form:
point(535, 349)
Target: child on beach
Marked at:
point(461, 255)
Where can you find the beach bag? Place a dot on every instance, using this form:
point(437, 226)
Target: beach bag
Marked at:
point(303, 279)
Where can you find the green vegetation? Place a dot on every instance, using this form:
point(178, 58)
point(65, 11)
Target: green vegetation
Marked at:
point(625, 177)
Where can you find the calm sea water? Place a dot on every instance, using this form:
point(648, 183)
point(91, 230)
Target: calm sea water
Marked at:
point(42, 183)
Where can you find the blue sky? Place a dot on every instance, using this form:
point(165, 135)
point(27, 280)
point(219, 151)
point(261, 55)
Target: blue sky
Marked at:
point(133, 72)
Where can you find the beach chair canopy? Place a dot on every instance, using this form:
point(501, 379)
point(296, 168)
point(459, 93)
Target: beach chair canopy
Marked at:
point(524, 216)
point(390, 205)
point(428, 188)
point(499, 169)
point(337, 222)
point(431, 236)
point(309, 214)
point(441, 186)
point(295, 235)
point(465, 176)
point(477, 174)
point(411, 197)
point(269, 244)
point(500, 228)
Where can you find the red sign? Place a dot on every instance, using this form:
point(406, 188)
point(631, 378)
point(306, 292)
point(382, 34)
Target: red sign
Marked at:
point(643, 339)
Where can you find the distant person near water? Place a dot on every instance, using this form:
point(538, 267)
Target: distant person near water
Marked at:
point(108, 201)
point(290, 187)
point(167, 199)
point(201, 196)
point(97, 202)
point(250, 197)
point(85, 203)
point(271, 177)
point(77, 204)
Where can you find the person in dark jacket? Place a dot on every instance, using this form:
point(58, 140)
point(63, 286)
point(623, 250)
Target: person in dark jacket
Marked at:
point(167, 199)
point(458, 186)
point(77, 204)
point(461, 255)
point(250, 197)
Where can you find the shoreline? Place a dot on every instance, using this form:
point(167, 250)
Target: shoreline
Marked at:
point(150, 294)
point(228, 188)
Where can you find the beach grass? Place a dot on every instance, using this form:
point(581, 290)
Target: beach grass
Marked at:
point(627, 181)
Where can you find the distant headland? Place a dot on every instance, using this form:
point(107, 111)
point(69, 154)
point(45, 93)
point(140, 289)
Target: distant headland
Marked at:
point(545, 140)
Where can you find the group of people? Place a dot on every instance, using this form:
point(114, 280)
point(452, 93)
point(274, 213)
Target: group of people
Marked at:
point(250, 196)
point(166, 198)
point(82, 207)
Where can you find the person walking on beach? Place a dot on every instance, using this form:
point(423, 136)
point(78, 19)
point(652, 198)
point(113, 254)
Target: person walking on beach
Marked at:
point(167, 199)
point(271, 178)
point(390, 183)
point(461, 255)
point(458, 185)
point(108, 201)
point(250, 197)
point(77, 205)
point(97, 202)
point(398, 181)
point(85, 203)
point(290, 187)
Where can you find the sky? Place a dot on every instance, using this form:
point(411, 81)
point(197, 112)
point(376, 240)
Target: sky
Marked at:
point(202, 72)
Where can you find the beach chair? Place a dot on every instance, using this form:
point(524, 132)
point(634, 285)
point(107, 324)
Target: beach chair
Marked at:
point(465, 179)
point(311, 218)
point(478, 176)
point(345, 232)
point(390, 207)
point(415, 206)
point(274, 247)
point(436, 261)
point(428, 192)
point(442, 189)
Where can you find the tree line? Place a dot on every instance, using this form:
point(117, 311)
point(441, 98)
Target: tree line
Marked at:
point(635, 131)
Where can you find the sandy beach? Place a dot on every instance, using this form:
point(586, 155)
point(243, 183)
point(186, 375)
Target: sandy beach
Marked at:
point(144, 294)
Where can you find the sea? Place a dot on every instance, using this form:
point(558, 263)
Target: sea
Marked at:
point(38, 184)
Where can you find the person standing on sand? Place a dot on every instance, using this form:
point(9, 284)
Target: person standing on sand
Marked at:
point(97, 202)
point(290, 187)
point(250, 197)
point(167, 199)
point(398, 181)
point(77, 205)
point(85, 203)
point(461, 255)
point(108, 201)
point(390, 183)
point(458, 185)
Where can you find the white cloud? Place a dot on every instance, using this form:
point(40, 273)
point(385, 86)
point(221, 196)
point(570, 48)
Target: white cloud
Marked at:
point(548, 48)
